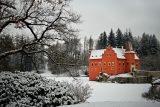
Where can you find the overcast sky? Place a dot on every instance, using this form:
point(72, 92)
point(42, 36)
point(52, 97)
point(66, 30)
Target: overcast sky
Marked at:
point(102, 15)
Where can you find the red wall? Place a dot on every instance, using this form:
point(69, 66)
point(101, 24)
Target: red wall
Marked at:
point(94, 68)
point(111, 65)
point(121, 66)
point(110, 58)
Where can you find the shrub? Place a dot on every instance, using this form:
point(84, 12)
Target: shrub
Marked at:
point(102, 77)
point(153, 93)
point(81, 90)
point(30, 89)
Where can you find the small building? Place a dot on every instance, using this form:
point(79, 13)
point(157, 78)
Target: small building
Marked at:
point(112, 61)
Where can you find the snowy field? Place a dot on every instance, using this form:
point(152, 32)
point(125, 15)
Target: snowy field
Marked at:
point(109, 93)
point(117, 104)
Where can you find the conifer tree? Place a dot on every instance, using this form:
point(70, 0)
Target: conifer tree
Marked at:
point(112, 39)
point(119, 38)
point(154, 48)
point(127, 38)
point(104, 44)
point(100, 42)
point(144, 48)
point(90, 42)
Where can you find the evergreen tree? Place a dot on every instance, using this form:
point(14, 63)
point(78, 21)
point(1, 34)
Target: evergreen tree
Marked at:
point(130, 36)
point(145, 45)
point(136, 43)
point(119, 38)
point(99, 44)
point(154, 48)
point(90, 42)
point(104, 40)
point(112, 39)
point(127, 38)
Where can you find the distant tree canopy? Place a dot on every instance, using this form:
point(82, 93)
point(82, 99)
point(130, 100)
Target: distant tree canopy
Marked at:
point(112, 39)
point(19, 61)
point(102, 41)
point(90, 42)
point(66, 56)
point(115, 40)
point(119, 38)
point(147, 46)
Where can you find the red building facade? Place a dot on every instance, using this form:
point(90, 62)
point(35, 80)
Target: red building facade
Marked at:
point(112, 61)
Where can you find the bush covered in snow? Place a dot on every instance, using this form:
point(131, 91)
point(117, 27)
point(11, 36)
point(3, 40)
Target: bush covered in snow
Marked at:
point(153, 93)
point(102, 77)
point(30, 89)
point(81, 90)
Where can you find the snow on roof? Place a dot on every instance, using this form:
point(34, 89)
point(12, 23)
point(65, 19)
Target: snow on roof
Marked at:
point(135, 56)
point(97, 54)
point(119, 52)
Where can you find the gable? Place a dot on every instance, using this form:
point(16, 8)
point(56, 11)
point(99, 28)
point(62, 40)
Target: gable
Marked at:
point(96, 54)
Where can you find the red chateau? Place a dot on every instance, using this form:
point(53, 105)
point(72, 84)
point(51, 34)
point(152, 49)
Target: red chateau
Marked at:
point(112, 61)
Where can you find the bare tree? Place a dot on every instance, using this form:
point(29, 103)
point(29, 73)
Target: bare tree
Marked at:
point(46, 20)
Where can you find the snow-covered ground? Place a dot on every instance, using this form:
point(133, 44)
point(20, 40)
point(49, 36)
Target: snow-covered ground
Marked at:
point(105, 93)
point(116, 104)
point(111, 91)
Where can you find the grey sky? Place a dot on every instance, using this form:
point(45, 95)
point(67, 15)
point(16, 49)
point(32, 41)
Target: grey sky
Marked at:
point(102, 15)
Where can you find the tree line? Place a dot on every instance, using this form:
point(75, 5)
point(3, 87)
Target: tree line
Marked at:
point(147, 46)
point(49, 21)
point(19, 61)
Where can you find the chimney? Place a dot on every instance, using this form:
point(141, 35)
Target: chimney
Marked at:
point(129, 46)
point(122, 47)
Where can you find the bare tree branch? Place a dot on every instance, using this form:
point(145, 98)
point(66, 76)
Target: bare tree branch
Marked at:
point(7, 5)
point(41, 18)
point(3, 55)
